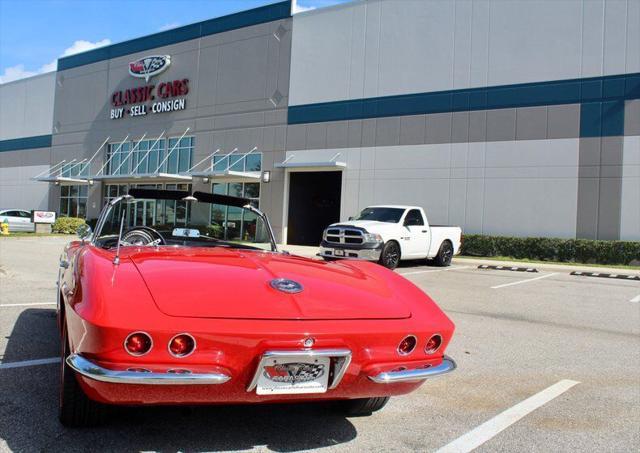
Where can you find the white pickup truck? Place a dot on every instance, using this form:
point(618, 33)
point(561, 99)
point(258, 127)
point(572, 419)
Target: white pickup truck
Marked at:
point(388, 234)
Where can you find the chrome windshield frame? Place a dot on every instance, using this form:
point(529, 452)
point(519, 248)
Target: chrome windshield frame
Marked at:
point(109, 207)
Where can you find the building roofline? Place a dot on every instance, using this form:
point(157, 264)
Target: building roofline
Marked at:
point(31, 77)
point(267, 13)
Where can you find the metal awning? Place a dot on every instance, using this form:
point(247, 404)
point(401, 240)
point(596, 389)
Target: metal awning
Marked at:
point(65, 181)
point(142, 178)
point(229, 176)
point(312, 165)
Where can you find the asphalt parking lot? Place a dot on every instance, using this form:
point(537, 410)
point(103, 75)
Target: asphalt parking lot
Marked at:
point(547, 362)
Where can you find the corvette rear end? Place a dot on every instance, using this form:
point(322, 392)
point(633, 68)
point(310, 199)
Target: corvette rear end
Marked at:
point(187, 324)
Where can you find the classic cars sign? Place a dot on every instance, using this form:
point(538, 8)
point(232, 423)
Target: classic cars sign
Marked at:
point(142, 100)
point(147, 67)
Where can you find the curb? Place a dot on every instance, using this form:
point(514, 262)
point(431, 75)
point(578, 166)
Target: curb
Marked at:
point(508, 268)
point(603, 275)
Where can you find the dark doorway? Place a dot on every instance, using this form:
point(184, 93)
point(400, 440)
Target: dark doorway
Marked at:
point(314, 203)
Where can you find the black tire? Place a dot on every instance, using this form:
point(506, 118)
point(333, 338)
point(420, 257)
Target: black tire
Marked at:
point(445, 254)
point(390, 255)
point(362, 406)
point(76, 410)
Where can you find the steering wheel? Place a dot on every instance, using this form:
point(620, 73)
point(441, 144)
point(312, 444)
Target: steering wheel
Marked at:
point(142, 236)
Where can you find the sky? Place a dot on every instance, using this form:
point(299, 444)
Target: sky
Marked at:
point(35, 33)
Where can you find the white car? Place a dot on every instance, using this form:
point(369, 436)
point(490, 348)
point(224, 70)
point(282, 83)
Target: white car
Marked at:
point(18, 219)
point(389, 234)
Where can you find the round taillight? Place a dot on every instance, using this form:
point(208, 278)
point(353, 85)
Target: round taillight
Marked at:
point(407, 345)
point(138, 343)
point(182, 345)
point(433, 344)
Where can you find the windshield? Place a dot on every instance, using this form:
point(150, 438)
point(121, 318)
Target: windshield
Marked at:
point(389, 215)
point(183, 220)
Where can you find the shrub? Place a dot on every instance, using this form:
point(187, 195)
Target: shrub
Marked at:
point(553, 249)
point(67, 225)
point(215, 231)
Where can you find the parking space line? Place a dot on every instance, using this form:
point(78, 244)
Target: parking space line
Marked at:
point(489, 429)
point(524, 281)
point(29, 363)
point(27, 305)
point(635, 299)
point(435, 270)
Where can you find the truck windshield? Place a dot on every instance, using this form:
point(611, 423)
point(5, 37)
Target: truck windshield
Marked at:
point(389, 215)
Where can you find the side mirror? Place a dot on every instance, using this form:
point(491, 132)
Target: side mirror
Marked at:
point(351, 218)
point(84, 231)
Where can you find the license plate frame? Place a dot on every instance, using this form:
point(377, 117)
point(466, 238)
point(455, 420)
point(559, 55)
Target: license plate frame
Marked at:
point(293, 375)
point(338, 252)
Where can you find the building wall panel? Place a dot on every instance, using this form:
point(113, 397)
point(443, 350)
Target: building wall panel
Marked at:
point(26, 107)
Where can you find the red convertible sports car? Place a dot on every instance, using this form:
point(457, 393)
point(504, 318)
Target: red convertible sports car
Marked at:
point(181, 298)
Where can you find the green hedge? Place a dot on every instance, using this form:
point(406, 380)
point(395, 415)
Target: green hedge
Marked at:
point(553, 249)
point(67, 225)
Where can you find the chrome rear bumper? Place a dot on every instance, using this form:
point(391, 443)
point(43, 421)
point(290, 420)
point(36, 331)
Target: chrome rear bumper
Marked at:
point(392, 377)
point(358, 254)
point(93, 371)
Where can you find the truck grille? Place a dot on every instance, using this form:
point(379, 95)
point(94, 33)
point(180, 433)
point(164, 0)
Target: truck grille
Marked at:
point(344, 236)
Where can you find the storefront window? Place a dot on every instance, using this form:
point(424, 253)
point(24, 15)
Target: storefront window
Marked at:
point(179, 160)
point(153, 212)
point(146, 157)
point(119, 163)
point(73, 201)
point(236, 223)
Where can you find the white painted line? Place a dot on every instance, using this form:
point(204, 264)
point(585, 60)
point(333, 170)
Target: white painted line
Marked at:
point(435, 270)
point(489, 429)
point(635, 299)
point(29, 363)
point(27, 305)
point(524, 281)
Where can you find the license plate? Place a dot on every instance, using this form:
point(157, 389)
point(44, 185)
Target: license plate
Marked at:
point(338, 252)
point(294, 375)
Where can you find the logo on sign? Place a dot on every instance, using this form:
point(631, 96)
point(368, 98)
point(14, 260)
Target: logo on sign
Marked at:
point(147, 67)
point(293, 372)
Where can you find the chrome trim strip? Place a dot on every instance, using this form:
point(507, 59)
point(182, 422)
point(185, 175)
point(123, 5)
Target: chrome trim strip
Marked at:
point(342, 359)
point(392, 377)
point(93, 371)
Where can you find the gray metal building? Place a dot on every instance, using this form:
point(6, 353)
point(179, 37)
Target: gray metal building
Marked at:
point(504, 117)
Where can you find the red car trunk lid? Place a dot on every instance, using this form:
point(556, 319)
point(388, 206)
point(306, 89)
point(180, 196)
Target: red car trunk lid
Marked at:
point(226, 283)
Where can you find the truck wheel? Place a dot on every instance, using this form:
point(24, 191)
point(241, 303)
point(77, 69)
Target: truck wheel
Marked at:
point(390, 255)
point(76, 410)
point(445, 254)
point(362, 406)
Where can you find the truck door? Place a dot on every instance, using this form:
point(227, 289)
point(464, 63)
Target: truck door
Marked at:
point(416, 242)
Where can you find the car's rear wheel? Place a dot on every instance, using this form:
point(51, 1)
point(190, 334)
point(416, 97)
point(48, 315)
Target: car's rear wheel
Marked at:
point(445, 254)
point(76, 410)
point(390, 255)
point(362, 406)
